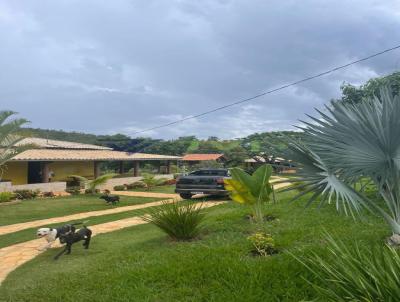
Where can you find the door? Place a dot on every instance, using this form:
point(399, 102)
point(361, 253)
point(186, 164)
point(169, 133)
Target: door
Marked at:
point(34, 172)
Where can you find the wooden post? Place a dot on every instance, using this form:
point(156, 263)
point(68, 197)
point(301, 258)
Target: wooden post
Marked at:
point(168, 167)
point(135, 168)
point(121, 167)
point(96, 169)
point(45, 172)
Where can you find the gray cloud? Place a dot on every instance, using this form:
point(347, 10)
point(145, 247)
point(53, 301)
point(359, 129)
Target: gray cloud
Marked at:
point(122, 66)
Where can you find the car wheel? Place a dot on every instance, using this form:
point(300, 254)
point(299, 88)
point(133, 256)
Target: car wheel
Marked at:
point(185, 195)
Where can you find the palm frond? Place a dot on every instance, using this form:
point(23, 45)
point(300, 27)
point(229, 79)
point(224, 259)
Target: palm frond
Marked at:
point(315, 176)
point(93, 184)
point(359, 140)
point(350, 143)
point(8, 137)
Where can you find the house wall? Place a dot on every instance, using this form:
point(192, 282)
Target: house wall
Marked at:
point(54, 187)
point(16, 172)
point(64, 169)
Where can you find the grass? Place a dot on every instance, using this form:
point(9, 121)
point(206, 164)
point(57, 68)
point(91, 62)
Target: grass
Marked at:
point(157, 189)
point(142, 264)
point(29, 210)
point(29, 234)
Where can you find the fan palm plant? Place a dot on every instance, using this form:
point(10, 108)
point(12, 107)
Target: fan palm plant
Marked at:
point(8, 137)
point(351, 143)
point(151, 181)
point(253, 190)
point(91, 185)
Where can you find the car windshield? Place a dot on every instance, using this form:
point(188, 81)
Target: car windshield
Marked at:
point(210, 173)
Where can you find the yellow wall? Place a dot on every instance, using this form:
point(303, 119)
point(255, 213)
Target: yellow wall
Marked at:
point(16, 172)
point(64, 169)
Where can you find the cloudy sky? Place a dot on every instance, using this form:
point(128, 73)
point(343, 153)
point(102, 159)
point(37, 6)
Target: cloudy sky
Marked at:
point(104, 66)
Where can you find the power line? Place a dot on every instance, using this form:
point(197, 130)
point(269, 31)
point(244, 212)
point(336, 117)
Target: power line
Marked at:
point(270, 91)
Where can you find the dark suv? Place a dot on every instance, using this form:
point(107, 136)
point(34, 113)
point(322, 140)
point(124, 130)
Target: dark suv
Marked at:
point(204, 181)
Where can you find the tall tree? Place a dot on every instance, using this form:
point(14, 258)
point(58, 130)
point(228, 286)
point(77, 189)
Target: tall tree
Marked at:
point(353, 94)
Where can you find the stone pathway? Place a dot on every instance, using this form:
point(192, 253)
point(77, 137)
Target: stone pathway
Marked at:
point(11, 228)
point(145, 194)
point(12, 257)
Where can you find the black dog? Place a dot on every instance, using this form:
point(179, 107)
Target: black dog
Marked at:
point(110, 198)
point(51, 234)
point(71, 238)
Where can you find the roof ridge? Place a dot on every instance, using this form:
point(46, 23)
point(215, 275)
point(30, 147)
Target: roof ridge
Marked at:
point(62, 144)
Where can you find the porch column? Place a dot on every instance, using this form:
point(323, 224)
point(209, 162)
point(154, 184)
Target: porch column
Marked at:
point(121, 167)
point(159, 167)
point(168, 167)
point(96, 169)
point(45, 172)
point(135, 168)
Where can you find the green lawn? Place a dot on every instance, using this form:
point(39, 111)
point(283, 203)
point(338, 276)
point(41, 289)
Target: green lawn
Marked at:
point(141, 264)
point(158, 189)
point(41, 208)
point(29, 234)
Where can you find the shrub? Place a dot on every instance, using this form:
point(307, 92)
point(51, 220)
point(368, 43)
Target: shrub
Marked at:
point(180, 221)
point(91, 185)
point(48, 194)
point(169, 182)
point(120, 188)
point(74, 190)
point(135, 185)
point(151, 181)
point(263, 244)
point(6, 196)
point(92, 191)
point(26, 194)
point(354, 273)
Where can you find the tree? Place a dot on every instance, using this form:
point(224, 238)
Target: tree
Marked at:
point(354, 143)
point(208, 147)
point(8, 138)
point(371, 89)
point(236, 156)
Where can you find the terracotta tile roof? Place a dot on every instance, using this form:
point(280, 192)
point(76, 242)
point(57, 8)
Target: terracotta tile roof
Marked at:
point(201, 157)
point(56, 144)
point(86, 155)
